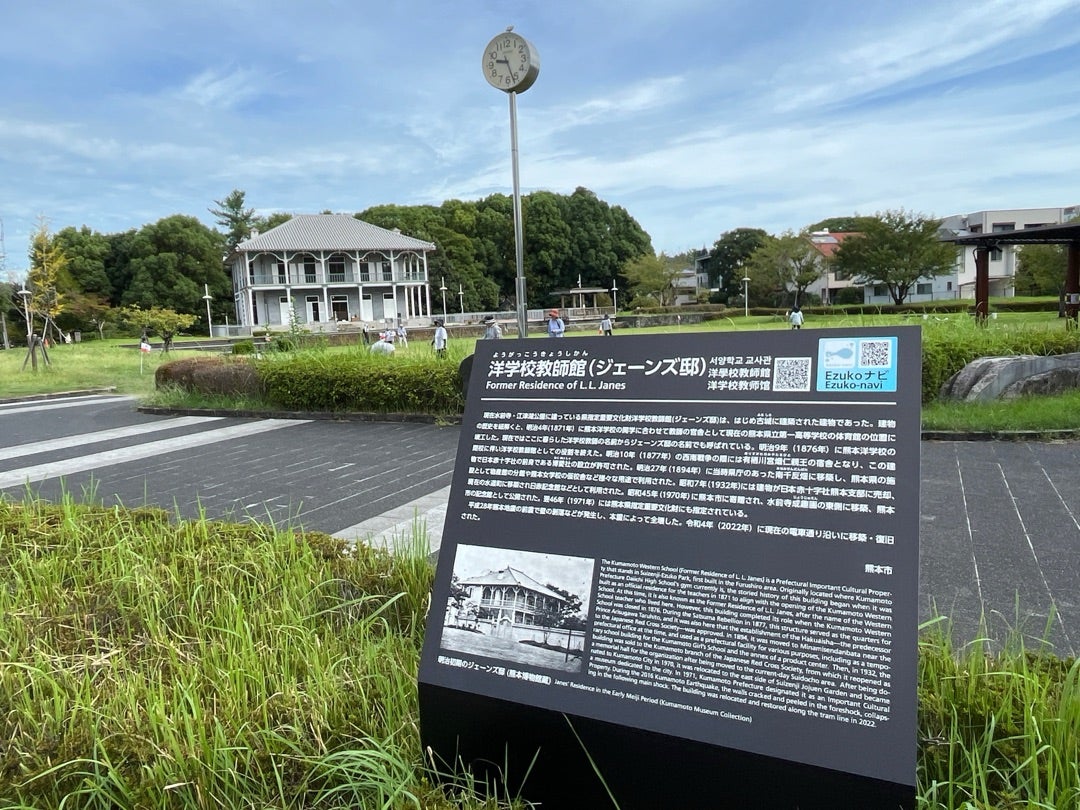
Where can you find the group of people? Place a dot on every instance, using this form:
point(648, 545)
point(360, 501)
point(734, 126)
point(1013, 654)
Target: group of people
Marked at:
point(556, 327)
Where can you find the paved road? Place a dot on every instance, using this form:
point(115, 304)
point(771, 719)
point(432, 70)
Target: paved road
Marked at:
point(327, 476)
point(1000, 520)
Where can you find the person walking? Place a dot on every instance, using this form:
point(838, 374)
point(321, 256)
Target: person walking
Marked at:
point(605, 325)
point(492, 330)
point(556, 327)
point(440, 339)
point(796, 317)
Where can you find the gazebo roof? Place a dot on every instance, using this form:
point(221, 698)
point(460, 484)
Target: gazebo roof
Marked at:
point(1040, 235)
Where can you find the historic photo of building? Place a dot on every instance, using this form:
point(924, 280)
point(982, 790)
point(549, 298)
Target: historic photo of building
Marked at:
point(520, 606)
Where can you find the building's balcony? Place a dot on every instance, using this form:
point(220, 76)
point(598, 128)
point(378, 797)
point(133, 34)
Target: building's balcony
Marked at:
point(292, 279)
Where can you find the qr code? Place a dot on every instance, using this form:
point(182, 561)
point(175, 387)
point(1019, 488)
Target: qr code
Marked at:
point(791, 374)
point(875, 354)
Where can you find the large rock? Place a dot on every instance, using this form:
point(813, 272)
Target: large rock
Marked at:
point(990, 378)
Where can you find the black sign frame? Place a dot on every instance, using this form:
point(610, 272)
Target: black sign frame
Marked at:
point(737, 517)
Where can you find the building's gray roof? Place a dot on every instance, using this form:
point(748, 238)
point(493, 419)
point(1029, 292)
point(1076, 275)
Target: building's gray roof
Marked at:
point(330, 232)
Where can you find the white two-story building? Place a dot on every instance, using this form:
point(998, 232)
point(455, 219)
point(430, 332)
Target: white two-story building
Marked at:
point(320, 269)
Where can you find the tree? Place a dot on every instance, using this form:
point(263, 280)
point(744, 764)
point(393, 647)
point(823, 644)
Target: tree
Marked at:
point(172, 262)
point(783, 267)
point(727, 257)
point(852, 224)
point(86, 252)
point(264, 224)
point(47, 277)
point(896, 249)
point(1041, 270)
point(160, 321)
point(237, 220)
point(651, 280)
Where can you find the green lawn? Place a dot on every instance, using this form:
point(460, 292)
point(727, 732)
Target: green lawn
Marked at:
point(118, 364)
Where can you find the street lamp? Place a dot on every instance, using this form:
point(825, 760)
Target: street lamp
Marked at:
point(443, 288)
point(746, 296)
point(461, 297)
point(25, 294)
point(207, 298)
point(614, 296)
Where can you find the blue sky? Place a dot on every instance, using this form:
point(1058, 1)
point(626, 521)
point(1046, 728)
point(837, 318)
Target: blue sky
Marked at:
point(697, 116)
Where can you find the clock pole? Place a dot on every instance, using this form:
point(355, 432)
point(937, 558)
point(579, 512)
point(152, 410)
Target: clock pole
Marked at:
point(511, 64)
point(519, 238)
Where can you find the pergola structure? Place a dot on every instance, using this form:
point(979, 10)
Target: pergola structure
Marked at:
point(1066, 234)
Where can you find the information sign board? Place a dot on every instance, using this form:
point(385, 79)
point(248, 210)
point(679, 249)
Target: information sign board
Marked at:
point(684, 550)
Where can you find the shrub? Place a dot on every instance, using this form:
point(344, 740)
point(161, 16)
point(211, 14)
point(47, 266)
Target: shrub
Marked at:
point(357, 381)
point(244, 347)
point(211, 375)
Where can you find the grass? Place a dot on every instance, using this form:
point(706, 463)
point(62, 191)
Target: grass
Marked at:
point(117, 363)
point(153, 663)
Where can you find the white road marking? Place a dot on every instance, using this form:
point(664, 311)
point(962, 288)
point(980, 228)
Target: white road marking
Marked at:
point(42, 472)
point(53, 404)
point(102, 436)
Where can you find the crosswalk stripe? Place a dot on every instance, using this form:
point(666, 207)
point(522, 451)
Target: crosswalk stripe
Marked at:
point(81, 439)
point(51, 405)
point(42, 472)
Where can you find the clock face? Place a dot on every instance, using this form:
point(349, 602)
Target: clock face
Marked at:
point(511, 63)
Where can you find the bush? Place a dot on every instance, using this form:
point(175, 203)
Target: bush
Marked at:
point(357, 381)
point(244, 347)
point(211, 375)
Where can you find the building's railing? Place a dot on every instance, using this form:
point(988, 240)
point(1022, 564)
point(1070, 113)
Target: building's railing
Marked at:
point(299, 279)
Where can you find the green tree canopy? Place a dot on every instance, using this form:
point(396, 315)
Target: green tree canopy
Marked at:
point(1041, 270)
point(783, 267)
point(896, 249)
point(48, 279)
point(87, 252)
point(171, 263)
point(852, 224)
point(728, 256)
point(651, 280)
point(232, 215)
point(160, 321)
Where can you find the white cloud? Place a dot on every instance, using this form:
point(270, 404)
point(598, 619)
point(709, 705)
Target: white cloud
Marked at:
point(212, 88)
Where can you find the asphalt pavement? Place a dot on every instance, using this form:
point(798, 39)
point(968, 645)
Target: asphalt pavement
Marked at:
point(1000, 520)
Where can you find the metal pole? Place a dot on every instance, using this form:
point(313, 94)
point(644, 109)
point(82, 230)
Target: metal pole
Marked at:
point(207, 297)
point(519, 247)
point(746, 296)
point(443, 288)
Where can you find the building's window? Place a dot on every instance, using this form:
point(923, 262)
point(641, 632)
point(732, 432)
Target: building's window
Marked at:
point(924, 289)
point(309, 269)
point(948, 286)
point(1000, 227)
point(254, 309)
point(880, 290)
point(387, 272)
point(251, 271)
point(336, 268)
point(281, 276)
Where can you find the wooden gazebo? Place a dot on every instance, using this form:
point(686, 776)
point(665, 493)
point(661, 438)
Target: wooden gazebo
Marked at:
point(1065, 234)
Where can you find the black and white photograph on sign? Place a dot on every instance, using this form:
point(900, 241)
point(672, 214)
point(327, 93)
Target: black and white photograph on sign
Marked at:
point(521, 606)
